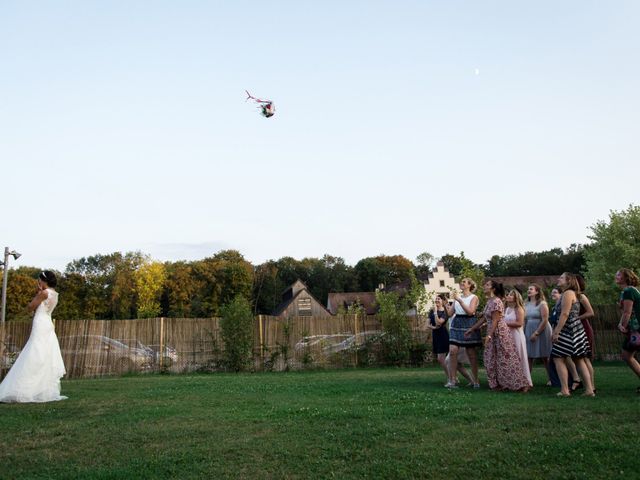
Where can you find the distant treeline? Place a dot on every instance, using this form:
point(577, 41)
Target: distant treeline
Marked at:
point(132, 285)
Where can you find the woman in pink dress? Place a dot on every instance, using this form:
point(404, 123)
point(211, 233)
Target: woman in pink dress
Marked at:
point(514, 318)
point(501, 360)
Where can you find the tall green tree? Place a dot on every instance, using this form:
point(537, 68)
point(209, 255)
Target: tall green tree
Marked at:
point(237, 330)
point(383, 269)
point(424, 264)
point(548, 262)
point(220, 279)
point(180, 289)
point(71, 301)
point(266, 288)
point(457, 264)
point(108, 290)
point(616, 244)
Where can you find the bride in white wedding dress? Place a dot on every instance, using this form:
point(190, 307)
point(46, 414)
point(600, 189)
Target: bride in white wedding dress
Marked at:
point(35, 375)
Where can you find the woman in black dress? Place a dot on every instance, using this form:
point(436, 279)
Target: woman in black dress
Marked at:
point(439, 334)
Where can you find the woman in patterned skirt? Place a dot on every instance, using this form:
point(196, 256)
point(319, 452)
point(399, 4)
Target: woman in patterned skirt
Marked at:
point(462, 333)
point(569, 337)
point(554, 379)
point(501, 360)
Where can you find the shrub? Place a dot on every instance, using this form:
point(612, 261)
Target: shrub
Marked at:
point(236, 327)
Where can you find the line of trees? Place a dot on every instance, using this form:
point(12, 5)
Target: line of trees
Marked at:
point(133, 285)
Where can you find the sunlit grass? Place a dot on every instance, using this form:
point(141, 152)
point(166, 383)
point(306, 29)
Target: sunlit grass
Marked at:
point(383, 423)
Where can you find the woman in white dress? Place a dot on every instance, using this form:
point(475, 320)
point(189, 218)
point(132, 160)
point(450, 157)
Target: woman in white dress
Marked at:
point(514, 318)
point(35, 375)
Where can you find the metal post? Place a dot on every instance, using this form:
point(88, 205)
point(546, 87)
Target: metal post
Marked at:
point(4, 283)
point(5, 274)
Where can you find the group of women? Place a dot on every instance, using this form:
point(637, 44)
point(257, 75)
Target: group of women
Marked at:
point(520, 332)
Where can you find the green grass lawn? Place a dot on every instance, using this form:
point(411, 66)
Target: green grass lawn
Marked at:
point(382, 423)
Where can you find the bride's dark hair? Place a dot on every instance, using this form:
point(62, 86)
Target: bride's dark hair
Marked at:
point(49, 277)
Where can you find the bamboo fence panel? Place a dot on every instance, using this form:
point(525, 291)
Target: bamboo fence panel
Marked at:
point(93, 348)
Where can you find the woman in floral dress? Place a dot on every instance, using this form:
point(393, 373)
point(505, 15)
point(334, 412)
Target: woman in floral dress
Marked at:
point(501, 359)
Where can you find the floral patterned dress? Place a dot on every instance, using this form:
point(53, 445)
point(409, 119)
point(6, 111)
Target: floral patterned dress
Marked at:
point(501, 359)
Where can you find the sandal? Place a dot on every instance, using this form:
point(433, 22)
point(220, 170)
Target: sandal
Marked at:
point(560, 394)
point(592, 394)
point(576, 385)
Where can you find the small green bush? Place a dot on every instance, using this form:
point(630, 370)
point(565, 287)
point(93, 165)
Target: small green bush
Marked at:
point(236, 327)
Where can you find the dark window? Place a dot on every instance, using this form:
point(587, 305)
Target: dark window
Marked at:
point(442, 283)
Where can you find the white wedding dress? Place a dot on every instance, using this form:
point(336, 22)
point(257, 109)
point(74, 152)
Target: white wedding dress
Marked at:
point(35, 375)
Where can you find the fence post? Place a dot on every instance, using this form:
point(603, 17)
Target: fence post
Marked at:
point(161, 353)
point(261, 328)
point(357, 342)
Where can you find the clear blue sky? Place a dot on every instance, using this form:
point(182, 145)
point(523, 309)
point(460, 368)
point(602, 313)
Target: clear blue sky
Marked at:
point(402, 126)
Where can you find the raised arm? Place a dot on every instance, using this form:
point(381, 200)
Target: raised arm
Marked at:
point(40, 297)
point(588, 309)
point(471, 309)
point(439, 320)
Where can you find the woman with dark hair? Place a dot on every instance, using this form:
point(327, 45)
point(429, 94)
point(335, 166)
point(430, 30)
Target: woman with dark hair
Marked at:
point(537, 329)
point(628, 281)
point(569, 337)
point(439, 334)
point(35, 375)
point(461, 334)
point(501, 359)
point(586, 312)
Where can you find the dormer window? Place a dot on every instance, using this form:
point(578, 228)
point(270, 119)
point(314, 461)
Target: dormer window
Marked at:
point(304, 307)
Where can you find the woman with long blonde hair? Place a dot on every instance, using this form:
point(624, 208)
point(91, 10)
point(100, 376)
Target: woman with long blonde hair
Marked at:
point(514, 318)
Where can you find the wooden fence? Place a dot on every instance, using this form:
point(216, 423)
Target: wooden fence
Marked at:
point(103, 347)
